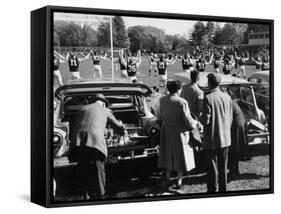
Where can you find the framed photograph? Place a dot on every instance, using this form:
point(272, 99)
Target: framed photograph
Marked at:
point(134, 106)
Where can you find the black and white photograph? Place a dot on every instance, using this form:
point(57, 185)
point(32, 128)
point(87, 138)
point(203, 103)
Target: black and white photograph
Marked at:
point(147, 107)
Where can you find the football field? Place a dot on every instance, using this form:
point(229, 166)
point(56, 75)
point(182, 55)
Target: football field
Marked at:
point(86, 70)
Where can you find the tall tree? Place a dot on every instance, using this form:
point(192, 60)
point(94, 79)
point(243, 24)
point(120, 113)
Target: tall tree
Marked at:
point(148, 38)
point(120, 35)
point(210, 31)
point(104, 34)
point(198, 33)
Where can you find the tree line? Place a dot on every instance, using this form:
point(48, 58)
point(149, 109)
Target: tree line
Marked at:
point(149, 38)
point(223, 34)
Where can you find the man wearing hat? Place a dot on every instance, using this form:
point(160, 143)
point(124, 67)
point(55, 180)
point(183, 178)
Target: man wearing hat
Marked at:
point(217, 120)
point(88, 145)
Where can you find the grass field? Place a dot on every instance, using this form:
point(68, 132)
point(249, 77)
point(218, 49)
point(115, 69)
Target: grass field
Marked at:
point(86, 70)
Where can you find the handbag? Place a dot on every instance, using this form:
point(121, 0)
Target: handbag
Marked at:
point(187, 151)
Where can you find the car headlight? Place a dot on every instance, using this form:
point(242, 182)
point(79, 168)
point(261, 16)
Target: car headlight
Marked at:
point(153, 131)
point(57, 139)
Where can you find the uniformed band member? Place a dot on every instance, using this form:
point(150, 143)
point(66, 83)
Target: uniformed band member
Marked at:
point(187, 64)
point(216, 119)
point(175, 119)
point(201, 64)
point(242, 61)
point(96, 62)
point(227, 66)
point(56, 69)
point(152, 63)
point(193, 94)
point(162, 71)
point(88, 145)
point(265, 64)
point(217, 62)
point(73, 64)
point(133, 64)
point(123, 65)
point(258, 62)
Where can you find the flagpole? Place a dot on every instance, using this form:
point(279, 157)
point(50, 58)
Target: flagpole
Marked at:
point(111, 44)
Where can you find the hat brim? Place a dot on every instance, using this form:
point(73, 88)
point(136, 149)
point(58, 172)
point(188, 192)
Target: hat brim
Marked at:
point(103, 100)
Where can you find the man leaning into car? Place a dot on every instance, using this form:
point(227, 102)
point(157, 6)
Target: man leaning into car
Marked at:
point(88, 145)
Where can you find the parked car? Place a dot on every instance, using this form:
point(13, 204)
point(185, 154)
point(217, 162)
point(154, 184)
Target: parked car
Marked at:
point(240, 90)
point(261, 78)
point(128, 104)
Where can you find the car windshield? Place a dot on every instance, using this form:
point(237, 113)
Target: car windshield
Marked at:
point(243, 96)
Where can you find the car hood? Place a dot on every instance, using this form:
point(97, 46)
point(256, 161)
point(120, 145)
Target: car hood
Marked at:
point(203, 79)
point(104, 88)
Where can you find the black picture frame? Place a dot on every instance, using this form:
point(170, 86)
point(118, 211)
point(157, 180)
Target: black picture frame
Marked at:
point(42, 102)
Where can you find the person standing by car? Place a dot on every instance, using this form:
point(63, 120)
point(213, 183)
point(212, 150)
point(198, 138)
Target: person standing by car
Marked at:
point(89, 145)
point(216, 119)
point(175, 119)
point(238, 140)
point(193, 94)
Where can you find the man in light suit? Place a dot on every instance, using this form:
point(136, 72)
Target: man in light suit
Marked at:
point(217, 120)
point(88, 145)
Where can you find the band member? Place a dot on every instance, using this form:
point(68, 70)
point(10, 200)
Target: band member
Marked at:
point(162, 71)
point(228, 65)
point(217, 119)
point(152, 63)
point(217, 59)
point(57, 59)
point(265, 64)
point(241, 61)
point(123, 65)
point(96, 62)
point(258, 62)
point(201, 64)
point(88, 145)
point(73, 64)
point(133, 64)
point(187, 64)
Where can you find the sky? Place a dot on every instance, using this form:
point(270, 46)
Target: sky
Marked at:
point(170, 26)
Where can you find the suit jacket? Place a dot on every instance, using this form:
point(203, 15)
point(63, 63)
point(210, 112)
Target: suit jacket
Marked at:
point(217, 120)
point(194, 96)
point(89, 124)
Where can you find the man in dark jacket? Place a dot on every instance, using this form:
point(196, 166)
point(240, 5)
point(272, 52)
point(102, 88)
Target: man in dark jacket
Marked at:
point(238, 140)
point(217, 120)
point(88, 145)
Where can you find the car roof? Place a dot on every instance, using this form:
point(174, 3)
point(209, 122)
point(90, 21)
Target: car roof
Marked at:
point(105, 86)
point(203, 79)
point(263, 75)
